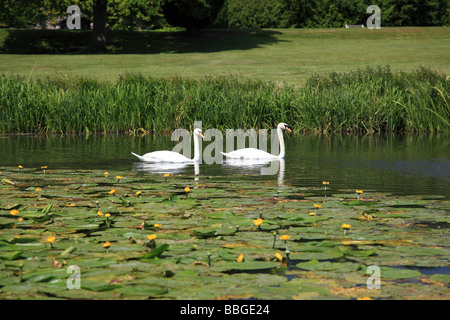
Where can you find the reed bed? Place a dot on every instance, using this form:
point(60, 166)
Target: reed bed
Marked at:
point(363, 101)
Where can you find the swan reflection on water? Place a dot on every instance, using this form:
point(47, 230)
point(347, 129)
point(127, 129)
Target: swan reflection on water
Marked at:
point(166, 167)
point(264, 166)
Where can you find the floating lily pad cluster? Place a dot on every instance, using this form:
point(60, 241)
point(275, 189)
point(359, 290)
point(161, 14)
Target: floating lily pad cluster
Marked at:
point(224, 237)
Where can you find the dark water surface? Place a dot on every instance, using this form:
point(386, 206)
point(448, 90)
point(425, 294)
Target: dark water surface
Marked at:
point(398, 164)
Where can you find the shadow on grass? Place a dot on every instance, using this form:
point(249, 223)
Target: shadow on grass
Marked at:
point(133, 42)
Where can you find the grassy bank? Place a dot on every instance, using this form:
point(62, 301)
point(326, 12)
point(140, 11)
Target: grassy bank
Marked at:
point(288, 55)
point(370, 100)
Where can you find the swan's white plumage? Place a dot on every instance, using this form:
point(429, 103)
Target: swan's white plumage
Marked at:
point(252, 153)
point(171, 156)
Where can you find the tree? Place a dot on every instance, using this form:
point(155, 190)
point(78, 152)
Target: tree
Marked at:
point(191, 14)
point(99, 32)
point(21, 13)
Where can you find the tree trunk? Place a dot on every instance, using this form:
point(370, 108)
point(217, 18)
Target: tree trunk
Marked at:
point(99, 37)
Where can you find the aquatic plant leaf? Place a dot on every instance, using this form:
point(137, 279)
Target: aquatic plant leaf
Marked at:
point(354, 203)
point(7, 181)
point(69, 250)
point(11, 255)
point(141, 291)
point(445, 278)
point(356, 253)
point(205, 232)
point(325, 255)
point(423, 251)
point(10, 206)
point(158, 251)
point(220, 215)
point(250, 266)
point(315, 265)
point(398, 273)
point(23, 240)
point(96, 262)
point(98, 285)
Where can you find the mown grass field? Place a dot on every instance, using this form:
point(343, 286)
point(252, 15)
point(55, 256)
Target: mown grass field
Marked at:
point(287, 55)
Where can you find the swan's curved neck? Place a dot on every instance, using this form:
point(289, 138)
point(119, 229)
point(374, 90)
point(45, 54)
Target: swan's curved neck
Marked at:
point(281, 141)
point(196, 148)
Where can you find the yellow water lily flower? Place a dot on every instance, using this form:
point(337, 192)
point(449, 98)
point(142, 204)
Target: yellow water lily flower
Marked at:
point(346, 227)
point(106, 173)
point(358, 192)
point(20, 167)
point(240, 258)
point(326, 182)
point(312, 213)
point(279, 256)
point(38, 189)
point(20, 219)
point(138, 193)
point(14, 212)
point(317, 206)
point(285, 237)
point(166, 175)
point(151, 237)
point(51, 239)
point(258, 222)
point(187, 189)
point(107, 244)
point(100, 214)
point(107, 215)
point(112, 191)
point(157, 225)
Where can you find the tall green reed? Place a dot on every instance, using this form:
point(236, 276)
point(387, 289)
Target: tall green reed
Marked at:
point(370, 100)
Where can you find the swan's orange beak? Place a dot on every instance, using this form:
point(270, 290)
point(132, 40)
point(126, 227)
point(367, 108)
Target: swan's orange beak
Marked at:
point(201, 135)
point(288, 129)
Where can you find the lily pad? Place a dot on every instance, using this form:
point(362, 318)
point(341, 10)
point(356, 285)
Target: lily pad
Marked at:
point(11, 255)
point(250, 266)
point(138, 290)
point(315, 265)
point(398, 273)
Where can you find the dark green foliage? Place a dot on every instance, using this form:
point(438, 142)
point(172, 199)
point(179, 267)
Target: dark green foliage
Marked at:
point(415, 12)
point(191, 14)
point(134, 14)
point(249, 14)
point(330, 13)
point(21, 13)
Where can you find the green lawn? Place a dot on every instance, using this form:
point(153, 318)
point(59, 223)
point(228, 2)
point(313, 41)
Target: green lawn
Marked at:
point(288, 55)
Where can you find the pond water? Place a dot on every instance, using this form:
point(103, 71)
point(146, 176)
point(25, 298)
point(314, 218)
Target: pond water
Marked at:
point(397, 164)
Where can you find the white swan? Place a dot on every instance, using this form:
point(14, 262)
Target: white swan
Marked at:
point(253, 153)
point(172, 156)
